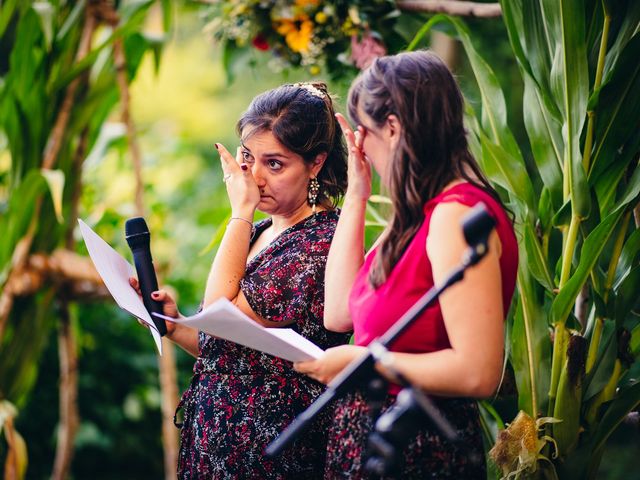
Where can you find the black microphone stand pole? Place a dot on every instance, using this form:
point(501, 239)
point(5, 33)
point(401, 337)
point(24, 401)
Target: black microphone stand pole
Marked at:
point(362, 370)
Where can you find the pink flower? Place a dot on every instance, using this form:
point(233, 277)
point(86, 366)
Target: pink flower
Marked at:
point(366, 50)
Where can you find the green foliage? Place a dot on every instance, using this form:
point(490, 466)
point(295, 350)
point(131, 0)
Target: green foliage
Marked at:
point(42, 49)
point(119, 401)
point(305, 33)
point(581, 114)
point(44, 83)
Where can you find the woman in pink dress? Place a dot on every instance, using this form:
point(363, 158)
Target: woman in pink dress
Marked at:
point(409, 112)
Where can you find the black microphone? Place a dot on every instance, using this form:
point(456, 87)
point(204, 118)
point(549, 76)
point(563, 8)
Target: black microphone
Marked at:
point(477, 225)
point(138, 238)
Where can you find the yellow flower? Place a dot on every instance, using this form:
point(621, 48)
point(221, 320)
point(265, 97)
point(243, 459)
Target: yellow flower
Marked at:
point(314, 69)
point(348, 28)
point(297, 32)
point(321, 17)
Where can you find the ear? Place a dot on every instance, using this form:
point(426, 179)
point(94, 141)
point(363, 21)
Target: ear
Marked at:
point(393, 129)
point(318, 163)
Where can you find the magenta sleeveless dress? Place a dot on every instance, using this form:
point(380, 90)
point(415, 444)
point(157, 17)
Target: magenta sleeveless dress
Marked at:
point(373, 311)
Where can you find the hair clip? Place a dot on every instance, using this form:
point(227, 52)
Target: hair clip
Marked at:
point(311, 89)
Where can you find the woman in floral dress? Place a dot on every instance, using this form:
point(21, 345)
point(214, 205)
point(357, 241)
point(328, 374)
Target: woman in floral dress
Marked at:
point(291, 165)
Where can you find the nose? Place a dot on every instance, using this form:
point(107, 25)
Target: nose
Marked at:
point(258, 176)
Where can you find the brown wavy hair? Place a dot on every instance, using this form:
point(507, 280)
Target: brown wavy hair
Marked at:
point(302, 118)
point(419, 89)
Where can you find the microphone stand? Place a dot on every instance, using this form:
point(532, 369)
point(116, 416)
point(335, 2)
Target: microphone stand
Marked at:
point(362, 370)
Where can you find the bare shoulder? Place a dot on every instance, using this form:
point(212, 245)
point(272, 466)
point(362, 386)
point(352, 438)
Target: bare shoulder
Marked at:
point(445, 241)
point(448, 214)
point(445, 230)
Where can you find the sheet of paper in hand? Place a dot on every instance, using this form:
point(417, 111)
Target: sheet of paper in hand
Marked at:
point(223, 319)
point(115, 272)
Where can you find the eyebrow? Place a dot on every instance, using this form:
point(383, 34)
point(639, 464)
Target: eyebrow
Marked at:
point(268, 155)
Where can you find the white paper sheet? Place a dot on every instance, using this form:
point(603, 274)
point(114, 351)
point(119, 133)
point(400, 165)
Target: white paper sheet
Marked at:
point(224, 320)
point(115, 272)
point(221, 319)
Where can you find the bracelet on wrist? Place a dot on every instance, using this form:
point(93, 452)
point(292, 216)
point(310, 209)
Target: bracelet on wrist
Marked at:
point(240, 218)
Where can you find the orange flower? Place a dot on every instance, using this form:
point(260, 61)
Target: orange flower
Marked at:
point(307, 3)
point(297, 32)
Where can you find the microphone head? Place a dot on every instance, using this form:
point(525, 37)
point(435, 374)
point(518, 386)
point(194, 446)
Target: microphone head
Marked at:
point(136, 232)
point(477, 225)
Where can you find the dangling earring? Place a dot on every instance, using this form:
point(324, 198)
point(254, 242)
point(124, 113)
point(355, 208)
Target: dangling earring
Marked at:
point(314, 188)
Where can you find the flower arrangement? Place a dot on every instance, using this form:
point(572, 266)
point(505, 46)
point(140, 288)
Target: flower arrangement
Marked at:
point(340, 36)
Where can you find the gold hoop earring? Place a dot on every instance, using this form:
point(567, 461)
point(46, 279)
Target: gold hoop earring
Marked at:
point(312, 195)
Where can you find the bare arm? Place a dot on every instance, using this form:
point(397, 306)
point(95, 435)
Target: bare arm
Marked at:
point(229, 264)
point(230, 261)
point(346, 254)
point(473, 316)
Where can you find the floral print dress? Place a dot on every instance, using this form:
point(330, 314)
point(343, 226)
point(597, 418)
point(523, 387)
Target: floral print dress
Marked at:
point(240, 399)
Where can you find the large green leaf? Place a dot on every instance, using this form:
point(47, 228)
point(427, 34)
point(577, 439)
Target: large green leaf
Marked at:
point(21, 347)
point(570, 82)
point(72, 21)
point(540, 51)
point(540, 110)
point(629, 12)
point(603, 366)
point(626, 400)
point(591, 250)
point(506, 171)
point(610, 181)
point(537, 263)
point(15, 221)
point(530, 344)
point(628, 256)
point(46, 13)
point(512, 17)
point(617, 122)
point(494, 112)
point(55, 182)
point(7, 11)
point(627, 295)
point(544, 132)
point(634, 343)
point(167, 14)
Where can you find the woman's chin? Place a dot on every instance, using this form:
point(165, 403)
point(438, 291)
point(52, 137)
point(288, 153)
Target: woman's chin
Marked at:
point(266, 206)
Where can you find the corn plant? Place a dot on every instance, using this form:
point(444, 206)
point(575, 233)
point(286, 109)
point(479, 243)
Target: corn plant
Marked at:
point(58, 86)
point(573, 331)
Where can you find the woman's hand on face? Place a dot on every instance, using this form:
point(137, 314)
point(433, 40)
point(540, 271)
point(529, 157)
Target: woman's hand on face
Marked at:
point(169, 307)
point(243, 192)
point(359, 168)
point(331, 363)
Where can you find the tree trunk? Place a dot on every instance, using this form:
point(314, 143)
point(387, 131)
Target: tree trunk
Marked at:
point(169, 389)
point(446, 48)
point(451, 7)
point(69, 418)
